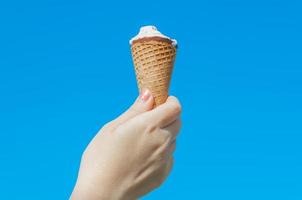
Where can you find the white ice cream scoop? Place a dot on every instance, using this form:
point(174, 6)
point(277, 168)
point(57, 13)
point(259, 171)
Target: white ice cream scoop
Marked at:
point(150, 31)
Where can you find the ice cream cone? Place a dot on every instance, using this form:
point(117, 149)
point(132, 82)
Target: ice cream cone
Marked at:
point(153, 59)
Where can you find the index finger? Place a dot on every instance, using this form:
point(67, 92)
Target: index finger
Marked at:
point(164, 114)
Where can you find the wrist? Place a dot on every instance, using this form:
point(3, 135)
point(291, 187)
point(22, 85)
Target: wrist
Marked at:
point(81, 191)
point(84, 191)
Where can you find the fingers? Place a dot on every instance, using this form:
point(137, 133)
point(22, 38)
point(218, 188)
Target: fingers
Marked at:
point(171, 149)
point(173, 129)
point(168, 167)
point(142, 104)
point(165, 150)
point(164, 114)
point(170, 164)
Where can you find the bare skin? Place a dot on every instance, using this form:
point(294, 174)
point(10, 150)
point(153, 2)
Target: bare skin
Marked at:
point(131, 155)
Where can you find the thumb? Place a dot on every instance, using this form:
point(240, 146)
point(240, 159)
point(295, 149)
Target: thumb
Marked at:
point(142, 104)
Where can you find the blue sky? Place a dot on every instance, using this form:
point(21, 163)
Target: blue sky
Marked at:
point(66, 70)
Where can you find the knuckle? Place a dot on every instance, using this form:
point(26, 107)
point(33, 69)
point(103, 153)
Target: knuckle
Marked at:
point(176, 107)
point(164, 152)
point(178, 124)
point(165, 138)
point(161, 155)
point(173, 147)
point(158, 182)
point(161, 177)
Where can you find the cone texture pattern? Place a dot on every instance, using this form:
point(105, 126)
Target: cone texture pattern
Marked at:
point(153, 62)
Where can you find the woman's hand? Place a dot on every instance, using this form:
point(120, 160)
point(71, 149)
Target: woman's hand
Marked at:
point(131, 155)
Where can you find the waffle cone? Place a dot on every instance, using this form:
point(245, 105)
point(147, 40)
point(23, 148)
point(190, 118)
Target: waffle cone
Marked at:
point(153, 62)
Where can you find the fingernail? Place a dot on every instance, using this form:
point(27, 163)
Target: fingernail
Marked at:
point(145, 95)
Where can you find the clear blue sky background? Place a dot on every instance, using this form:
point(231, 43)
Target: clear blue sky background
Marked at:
point(66, 69)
